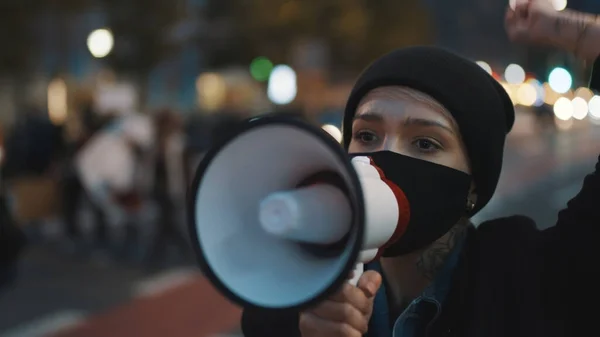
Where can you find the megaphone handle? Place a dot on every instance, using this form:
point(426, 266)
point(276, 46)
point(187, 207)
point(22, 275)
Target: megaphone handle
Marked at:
point(358, 271)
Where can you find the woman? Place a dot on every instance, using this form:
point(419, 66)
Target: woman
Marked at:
point(436, 112)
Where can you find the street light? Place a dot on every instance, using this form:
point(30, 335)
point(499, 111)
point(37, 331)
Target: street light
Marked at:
point(57, 101)
point(282, 87)
point(100, 43)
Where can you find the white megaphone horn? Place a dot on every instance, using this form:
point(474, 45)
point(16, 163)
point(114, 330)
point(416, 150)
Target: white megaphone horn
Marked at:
point(280, 215)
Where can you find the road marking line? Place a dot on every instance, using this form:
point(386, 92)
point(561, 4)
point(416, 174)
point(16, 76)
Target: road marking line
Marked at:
point(166, 281)
point(47, 325)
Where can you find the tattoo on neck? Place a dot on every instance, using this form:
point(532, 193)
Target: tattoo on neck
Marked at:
point(433, 258)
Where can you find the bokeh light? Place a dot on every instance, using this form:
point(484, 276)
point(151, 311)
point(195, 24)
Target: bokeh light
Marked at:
point(526, 94)
point(559, 5)
point(510, 91)
point(550, 96)
point(282, 88)
point(539, 89)
point(514, 74)
point(580, 108)
point(333, 131)
point(584, 93)
point(57, 101)
point(100, 43)
point(261, 68)
point(485, 66)
point(563, 109)
point(560, 80)
point(594, 107)
point(212, 91)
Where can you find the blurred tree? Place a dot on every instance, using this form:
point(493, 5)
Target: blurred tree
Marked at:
point(222, 38)
point(355, 30)
point(143, 34)
point(20, 45)
point(16, 37)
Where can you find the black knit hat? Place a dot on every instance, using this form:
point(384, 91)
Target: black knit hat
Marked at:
point(479, 104)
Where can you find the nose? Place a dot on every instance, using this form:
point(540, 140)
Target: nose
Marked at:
point(391, 143)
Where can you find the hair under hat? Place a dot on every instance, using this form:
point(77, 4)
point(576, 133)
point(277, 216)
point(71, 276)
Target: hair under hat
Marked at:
point(479, 104)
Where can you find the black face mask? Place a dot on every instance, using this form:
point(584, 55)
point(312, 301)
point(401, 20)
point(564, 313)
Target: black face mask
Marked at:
point(437, 196)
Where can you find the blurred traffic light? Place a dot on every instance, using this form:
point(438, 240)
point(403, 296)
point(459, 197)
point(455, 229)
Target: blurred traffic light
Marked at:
point(261, 68)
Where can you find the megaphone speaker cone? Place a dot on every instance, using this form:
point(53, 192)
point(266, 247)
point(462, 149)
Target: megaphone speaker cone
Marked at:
point(243, 260)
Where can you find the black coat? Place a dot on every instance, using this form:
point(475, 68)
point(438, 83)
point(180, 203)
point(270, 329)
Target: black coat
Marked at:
point(512, 279)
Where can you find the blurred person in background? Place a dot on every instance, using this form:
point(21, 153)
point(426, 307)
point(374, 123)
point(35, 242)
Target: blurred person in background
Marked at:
point(30, 151)
point(33, 145)
point(130, 200)
point(503, 278)
point(170, 186)
point(31, 156)
point(114, 184)
point(74, 194)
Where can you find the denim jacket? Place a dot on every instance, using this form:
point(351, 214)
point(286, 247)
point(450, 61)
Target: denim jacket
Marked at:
point(422, 311)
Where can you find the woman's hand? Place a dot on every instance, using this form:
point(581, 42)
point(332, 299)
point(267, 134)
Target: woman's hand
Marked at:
point(345, 314)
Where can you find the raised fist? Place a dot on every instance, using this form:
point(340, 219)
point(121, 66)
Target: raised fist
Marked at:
point(531, 21)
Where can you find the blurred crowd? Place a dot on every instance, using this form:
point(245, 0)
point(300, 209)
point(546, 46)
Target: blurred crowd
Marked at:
point(115, 190)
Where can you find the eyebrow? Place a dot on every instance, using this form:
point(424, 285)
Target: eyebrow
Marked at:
point(375, 117)
point(369, 117)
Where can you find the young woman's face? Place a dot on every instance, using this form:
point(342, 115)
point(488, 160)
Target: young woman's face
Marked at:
point(409, 123)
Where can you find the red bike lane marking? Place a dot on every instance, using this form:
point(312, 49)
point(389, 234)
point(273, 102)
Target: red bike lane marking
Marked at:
point(191, 309)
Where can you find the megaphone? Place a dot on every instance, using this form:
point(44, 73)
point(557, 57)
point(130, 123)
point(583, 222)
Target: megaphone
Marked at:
point(280, 215)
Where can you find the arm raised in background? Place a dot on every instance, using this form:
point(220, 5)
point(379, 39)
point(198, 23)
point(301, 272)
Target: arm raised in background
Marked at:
point(536, 22)
point(570, 249)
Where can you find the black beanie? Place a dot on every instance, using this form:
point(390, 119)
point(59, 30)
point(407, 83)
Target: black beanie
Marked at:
point(479, 104)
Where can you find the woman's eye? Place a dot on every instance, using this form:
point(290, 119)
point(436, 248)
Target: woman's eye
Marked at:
point(366, 137)
point(427, 145)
